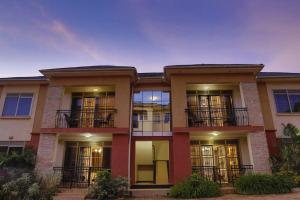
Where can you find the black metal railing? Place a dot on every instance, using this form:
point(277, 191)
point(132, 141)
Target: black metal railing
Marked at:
point(85, 118)
point(236, 171)
point(77, 176)
point(212, 117)
point(209, 172)
point(213, 173)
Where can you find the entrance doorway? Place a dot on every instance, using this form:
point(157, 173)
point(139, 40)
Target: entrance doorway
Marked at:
point(152, 162)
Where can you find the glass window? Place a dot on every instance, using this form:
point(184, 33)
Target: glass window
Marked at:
point(287, 101)
point(17, 105)
point(16, 150)
point(282, 103)
point(149, 109)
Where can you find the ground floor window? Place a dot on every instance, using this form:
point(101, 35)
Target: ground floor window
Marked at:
point(10, 147)
point(216, 157)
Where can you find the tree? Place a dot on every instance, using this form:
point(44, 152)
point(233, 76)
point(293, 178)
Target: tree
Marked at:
point(288, 162)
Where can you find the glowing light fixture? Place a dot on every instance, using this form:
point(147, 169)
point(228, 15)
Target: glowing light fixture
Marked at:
point(95, 89)
point(206, 87)
point(88, 135)
point(215, 133)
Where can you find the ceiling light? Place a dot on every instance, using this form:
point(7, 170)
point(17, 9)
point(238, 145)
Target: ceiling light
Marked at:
point(95, 90)
point(206, 87)
point(215, 133)
point(87, 135)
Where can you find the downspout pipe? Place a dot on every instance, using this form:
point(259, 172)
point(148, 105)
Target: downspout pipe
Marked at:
point(130, 134)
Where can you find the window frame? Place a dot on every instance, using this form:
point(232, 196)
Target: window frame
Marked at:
point(19, 95)
point(13, 144)
point(286, 92)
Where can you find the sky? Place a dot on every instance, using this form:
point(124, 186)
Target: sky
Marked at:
point(147, 34)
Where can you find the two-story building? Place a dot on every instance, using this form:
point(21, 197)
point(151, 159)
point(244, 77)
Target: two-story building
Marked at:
point(154, 128)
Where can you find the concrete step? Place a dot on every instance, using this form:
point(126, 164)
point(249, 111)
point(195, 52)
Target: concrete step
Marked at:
point(149, 192)
point(228, 190)
point(71, 194)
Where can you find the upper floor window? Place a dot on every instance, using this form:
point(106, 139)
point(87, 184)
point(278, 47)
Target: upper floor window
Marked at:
point(17, 104)
point(287, 101)
point(151, 111)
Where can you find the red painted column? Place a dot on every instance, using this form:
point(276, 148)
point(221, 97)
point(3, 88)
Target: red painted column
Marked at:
point(272, 142)
point(181, 159)
point(34, 142)
point(119, 158)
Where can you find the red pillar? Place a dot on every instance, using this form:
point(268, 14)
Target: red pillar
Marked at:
point(34, 142)
point(272, 142)
point(119, 158)
point(181, 159)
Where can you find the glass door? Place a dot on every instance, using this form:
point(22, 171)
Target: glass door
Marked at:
point(88, 112)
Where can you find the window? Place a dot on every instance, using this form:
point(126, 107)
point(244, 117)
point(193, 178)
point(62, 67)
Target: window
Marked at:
point(287, 101)
point(17, 104)
point(167, 118)
point(149, 111)
point(10, 147)
point(143, 115)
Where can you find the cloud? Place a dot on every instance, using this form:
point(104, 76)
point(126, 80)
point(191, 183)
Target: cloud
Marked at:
point(48, 32)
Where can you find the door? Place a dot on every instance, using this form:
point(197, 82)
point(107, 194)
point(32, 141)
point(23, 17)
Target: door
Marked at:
point(88, 112)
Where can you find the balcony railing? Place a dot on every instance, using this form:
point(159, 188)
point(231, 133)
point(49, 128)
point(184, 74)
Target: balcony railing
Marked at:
point(240, 170)
point(77, 176)
point(85, 118)
point(213, 173)
point(212, 117)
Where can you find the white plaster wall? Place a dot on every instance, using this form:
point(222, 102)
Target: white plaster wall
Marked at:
point(19, 128)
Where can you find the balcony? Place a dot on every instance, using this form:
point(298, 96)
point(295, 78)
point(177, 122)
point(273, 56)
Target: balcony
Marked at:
point(85, 118)
point(216, 117)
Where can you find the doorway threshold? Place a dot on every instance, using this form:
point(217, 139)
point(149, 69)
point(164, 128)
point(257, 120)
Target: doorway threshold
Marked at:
point(150, 186)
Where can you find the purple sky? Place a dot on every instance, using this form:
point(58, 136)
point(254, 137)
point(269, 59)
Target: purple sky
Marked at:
point(37, 34)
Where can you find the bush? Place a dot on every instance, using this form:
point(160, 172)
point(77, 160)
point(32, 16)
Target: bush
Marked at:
point(29, 187)
point(26, 160)
point(106, 187)
point(264, 184)
point(195, 187)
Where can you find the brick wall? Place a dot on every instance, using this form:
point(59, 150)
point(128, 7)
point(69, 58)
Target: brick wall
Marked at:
point(53, 102)
point(259, 153)
point(250, 94)
point(45, 154)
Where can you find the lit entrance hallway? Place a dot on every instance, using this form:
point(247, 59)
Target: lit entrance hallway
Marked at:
point(152, 162)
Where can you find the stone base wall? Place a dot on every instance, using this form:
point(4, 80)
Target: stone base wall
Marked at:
point(259, 154)
point(46, 152)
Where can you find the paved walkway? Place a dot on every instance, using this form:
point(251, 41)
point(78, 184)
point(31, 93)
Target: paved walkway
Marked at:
point(291, 196)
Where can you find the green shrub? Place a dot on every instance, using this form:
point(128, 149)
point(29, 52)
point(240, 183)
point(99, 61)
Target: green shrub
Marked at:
point(195, 187)
point(264, 184)
point(25, 160)
point(106, 187)
point(29, 187)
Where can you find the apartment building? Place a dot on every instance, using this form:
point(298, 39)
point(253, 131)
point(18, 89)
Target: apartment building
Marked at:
point(154, 128)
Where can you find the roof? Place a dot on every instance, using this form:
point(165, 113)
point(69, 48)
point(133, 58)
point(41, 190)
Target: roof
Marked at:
point(87, 68)
point(277, 75)
point(151, 75)
point(24, 78)
point(214, 65)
